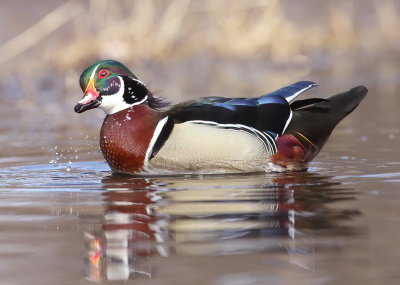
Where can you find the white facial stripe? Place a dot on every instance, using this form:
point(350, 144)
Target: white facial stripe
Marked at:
point(144, 99)
point(114, 103)
point(94, 71)
point(138, 81)
point(140, 102)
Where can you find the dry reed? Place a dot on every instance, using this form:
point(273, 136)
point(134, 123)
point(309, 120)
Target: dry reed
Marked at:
point(159, 30)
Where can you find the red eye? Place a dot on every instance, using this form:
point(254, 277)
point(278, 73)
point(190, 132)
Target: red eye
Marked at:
point(103, 73)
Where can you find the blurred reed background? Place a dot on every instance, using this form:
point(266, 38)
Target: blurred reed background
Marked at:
point(184, 49)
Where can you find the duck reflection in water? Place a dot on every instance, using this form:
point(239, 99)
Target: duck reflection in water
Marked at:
point(212, 215)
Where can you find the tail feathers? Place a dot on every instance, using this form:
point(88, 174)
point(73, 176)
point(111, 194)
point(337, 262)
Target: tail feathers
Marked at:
point(311, 126)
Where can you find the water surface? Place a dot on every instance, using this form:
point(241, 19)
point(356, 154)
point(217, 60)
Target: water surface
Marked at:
point(72, 224)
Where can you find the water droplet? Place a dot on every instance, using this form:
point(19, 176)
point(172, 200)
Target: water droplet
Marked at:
point(68, 168)
point(52, 161)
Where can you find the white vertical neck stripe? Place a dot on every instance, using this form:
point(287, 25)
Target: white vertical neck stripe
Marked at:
point(153, 140)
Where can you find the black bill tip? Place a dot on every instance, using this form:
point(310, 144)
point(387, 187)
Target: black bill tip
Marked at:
point(80, 108)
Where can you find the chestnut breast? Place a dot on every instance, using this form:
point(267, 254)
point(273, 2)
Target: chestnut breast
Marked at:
point(125, 137)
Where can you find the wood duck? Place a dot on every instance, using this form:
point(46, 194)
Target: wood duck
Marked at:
point(141, 133)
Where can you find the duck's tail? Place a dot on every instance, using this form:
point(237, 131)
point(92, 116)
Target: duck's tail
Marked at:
point(311, 127)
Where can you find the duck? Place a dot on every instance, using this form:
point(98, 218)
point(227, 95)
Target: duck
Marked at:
point(142, 133)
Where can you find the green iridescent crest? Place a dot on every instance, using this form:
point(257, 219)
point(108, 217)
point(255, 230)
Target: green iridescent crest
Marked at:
point(94, 71)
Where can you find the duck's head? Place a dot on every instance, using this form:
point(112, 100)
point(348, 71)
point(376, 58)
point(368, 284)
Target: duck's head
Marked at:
point(111, 86)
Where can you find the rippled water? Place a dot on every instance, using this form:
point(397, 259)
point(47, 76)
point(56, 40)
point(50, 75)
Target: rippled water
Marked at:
point(334, 224)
